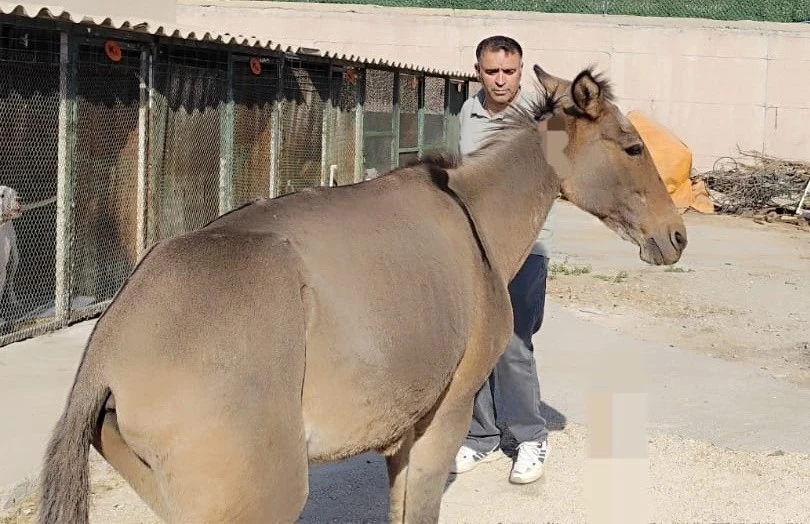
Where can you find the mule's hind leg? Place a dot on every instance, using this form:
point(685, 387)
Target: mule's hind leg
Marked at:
point(220, 449)
point(239, 474)
point(112, 446)
point(243, 467)
point(238, 459)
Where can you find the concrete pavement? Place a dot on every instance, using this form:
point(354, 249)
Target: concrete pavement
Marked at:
point(679, 391)
point(35, 376)
point(684, 392)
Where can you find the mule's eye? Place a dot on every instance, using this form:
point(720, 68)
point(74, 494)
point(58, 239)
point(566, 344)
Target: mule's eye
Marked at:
point(634, 150)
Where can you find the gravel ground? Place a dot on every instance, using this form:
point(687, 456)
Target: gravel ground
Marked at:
point(679, 481)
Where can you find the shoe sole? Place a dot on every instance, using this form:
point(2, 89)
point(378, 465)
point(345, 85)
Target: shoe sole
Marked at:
point(525, 480)
point(492, 457)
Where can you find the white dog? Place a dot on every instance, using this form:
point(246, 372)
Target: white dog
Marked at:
point(10, 209)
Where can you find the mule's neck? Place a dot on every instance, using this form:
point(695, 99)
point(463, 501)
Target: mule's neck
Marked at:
point(509, 192)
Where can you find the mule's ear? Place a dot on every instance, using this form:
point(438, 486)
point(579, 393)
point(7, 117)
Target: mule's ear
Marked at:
point(541, 73)
point(549, 82)
point(586, 93)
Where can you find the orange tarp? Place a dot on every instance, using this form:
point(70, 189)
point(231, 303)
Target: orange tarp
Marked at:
point(673, 159)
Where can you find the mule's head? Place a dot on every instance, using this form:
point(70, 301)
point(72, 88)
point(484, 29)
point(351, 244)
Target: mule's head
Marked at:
point(10, 207)
point(606, 170)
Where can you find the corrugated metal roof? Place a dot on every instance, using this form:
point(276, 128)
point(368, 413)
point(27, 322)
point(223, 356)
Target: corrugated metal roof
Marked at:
point(173, 30)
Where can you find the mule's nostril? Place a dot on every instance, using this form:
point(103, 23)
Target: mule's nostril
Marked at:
point(679, 240)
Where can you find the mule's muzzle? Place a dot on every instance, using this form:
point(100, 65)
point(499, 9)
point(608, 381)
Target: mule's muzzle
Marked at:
point(666, 249)
point(678, 239)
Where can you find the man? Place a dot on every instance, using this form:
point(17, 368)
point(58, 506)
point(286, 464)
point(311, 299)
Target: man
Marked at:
point(511, 395)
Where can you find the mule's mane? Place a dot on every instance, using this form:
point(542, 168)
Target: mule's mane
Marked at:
point(440, 158)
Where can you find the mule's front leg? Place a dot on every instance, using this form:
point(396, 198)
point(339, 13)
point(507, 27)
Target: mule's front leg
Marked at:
point(397, 463)
point(437, 440)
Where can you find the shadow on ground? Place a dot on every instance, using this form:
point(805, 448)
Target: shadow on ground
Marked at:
point(356, 490)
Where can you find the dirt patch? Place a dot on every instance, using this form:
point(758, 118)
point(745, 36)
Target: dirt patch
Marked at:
point(111, 500)
point(741, 291)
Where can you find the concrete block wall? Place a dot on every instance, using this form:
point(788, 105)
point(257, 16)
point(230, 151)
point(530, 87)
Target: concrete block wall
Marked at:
point(159, 10)
point(717, 85)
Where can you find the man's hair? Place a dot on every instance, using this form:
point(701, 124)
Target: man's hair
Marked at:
point(497, 43)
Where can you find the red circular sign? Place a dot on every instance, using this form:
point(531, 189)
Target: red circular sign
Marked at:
point(113, 50)
point(255, 66)
point(350, 75)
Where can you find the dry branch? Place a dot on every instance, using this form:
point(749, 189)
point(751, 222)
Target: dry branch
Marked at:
point(764, 183)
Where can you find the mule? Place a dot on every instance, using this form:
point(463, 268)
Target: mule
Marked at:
point(335, 321)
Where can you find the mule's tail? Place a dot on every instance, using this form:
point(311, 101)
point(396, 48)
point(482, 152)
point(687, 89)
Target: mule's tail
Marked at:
point(65, 480)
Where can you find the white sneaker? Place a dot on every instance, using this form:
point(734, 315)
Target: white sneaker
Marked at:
point(529, 464)
point(467, 458)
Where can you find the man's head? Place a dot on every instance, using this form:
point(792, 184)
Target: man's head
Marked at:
point(499, 64)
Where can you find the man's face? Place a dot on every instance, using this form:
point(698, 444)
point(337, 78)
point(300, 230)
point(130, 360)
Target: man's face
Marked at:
point(499, 73)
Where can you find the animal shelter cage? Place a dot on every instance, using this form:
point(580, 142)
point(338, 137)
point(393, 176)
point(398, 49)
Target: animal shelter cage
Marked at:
point(115, 138)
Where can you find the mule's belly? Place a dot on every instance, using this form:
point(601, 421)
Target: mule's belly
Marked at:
point(352, 405)
point(376, 366)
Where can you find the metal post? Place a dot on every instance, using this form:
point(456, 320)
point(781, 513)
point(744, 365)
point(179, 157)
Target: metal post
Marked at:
point(395, 123)
point(326, 134)
point(276, 130)
point(64, 184)
point(143, 115)
point(446, 113)
point(420, 115)
point(158, 123)
point(359, 157)
point(226, 132)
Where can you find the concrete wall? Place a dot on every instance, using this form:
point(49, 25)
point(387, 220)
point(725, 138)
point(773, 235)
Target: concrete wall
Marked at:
point(717, 85)
point(161, 10)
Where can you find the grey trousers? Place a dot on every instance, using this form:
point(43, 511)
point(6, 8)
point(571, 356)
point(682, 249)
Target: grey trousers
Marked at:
point(511, 395)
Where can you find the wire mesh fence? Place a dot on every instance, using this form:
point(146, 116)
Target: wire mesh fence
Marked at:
point(435, 96)
point(306, 88)
point(343, 128)
point(111, 142)
point(255, 92)
point(29, 159)
point(378, 122)
point(104, 238)
point(408, 118)
point(760, 10)
point(188, 104)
